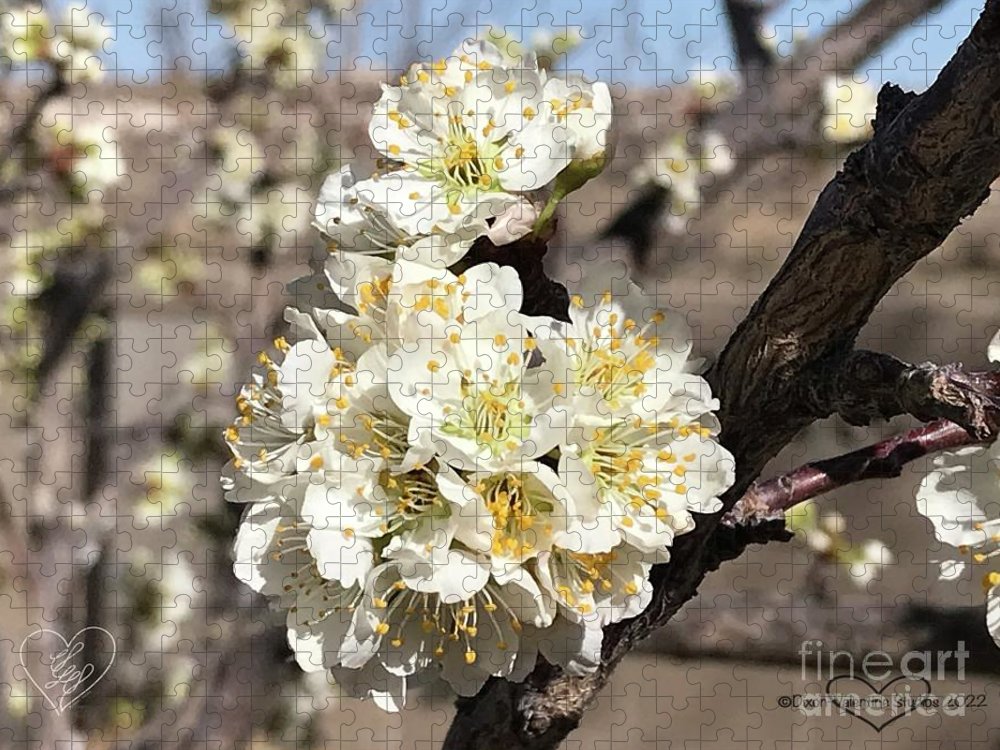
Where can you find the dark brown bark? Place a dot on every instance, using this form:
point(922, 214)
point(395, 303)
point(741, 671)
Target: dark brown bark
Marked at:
point(869, 385)
point(929, 165)
point(744, 17)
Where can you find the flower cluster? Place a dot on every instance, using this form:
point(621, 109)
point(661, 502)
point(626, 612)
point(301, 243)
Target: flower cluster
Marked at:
point(72, 43)
point(959, 496)
point(474, 145)
point(436, 482)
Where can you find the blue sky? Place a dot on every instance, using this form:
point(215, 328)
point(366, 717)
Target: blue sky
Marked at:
point(633, 42)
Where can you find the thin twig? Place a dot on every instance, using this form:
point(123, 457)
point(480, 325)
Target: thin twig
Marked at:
point(21, 135)
point(886, 459)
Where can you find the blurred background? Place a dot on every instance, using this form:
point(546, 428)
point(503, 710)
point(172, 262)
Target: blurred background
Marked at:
point(158, 167)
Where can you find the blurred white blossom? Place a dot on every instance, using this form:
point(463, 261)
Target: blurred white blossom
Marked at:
point(960, 496)
point(848, 110)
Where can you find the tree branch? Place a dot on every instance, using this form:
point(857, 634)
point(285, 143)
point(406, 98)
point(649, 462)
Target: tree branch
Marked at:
point(765, 501)
point(869, 385)
point(21, 135)
point(744, 18)
point(929, 165)
point(776, 114)
point(896, 200)
point(866, 31)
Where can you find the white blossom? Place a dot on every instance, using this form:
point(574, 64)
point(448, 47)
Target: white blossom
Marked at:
point(82, 149)
point(361, 299)
point(960, 496)
point(871, 558)
point(78, 41)
point(241, 159)
point(469, 136)
point(25, 34)
point(478, 395)
point(512, 516)
point(272, 556)
point(416, 613)
point(686, 169)
point(848, 110)
point(585, 109)
point(642, 448)
point(598, 588)
point(355, 226)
